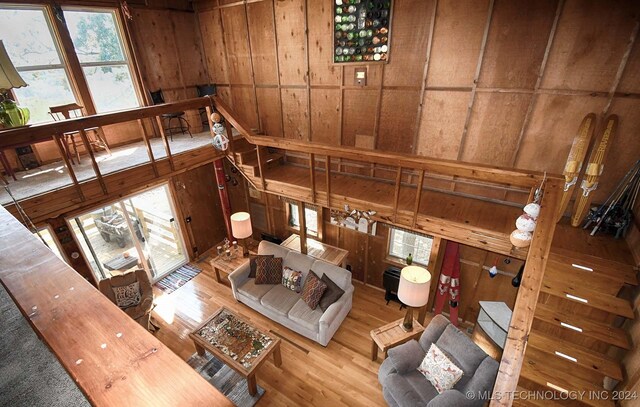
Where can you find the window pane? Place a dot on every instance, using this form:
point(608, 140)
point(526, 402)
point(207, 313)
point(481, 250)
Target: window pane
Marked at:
point(46, 88)
point(111, 87)
point(293, 216)
point(94, 35)
point(46, 236)
point(403, 243)
point(311, 218)
point(27, 38)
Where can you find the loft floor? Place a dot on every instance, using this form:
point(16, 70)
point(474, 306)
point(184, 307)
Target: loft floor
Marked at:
point(340, 374)
point(53, 176)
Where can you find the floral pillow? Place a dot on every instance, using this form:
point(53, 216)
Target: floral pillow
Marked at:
point(292, 279)
point(127, 295)
point(439, 370)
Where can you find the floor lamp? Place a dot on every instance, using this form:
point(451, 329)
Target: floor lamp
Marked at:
point(413, 291)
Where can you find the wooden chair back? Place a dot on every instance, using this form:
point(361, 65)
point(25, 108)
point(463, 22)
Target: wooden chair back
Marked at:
point(68, 111)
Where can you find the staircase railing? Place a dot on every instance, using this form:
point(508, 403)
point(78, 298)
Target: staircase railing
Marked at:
point(522, 317)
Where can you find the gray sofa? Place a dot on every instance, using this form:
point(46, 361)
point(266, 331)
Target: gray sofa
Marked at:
point(403, 385)
point(287, 307)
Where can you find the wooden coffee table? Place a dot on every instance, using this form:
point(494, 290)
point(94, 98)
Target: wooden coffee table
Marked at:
point(391, 335)
point(236, 343)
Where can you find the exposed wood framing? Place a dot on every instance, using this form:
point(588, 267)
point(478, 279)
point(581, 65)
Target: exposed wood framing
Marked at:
point(67, 163)
point(275, 36)
point(416, 206)
point(165, 141)
point(94, 163)
point(312, 175)
point(147, 144)
point(327, 171)
point(476, 76)
point(308, 71)
point(536, 88)
point(303, 227)
point(253, 74)
point(261, 168)
point(396, 195)
point(621, 68)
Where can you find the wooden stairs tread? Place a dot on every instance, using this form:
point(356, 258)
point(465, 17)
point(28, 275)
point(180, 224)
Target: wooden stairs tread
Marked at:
point(616, 272)
point(585, 326)
point(584, 357)
point(538, 369)
point(528, 398)
point(555, 285)
point(579, 277)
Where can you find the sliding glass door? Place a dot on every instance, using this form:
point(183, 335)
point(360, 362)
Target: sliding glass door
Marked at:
point(137, 232)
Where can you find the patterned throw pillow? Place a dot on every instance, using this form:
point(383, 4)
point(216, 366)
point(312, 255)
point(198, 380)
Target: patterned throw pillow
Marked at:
point(439, 370)
point(253, 265)
point(313, 290)
point(268, 270)
point(292, 279)
point(127, 295)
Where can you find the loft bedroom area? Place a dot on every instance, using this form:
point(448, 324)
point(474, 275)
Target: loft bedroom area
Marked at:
point(336, 202)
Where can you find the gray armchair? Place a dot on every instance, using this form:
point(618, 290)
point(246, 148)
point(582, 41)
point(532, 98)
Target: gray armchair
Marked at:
point(404, 386)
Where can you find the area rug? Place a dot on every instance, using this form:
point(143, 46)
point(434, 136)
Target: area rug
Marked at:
point(225, 379)
point(178, 278)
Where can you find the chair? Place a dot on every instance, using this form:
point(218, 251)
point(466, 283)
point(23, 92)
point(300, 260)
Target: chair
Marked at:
point(403, 385)
point(70, 141)
point(138, 305)
point(182, 125)
point(205, 90)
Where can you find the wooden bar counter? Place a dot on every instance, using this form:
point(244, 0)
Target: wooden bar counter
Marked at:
point(113, 360)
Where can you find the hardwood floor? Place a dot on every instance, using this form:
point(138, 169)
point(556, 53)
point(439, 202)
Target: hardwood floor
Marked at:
point(310, 375)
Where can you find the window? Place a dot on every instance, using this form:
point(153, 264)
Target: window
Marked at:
point(403, 243)
point(310, 216)
point(28, 37)
point(45, 234)
point(98, 44)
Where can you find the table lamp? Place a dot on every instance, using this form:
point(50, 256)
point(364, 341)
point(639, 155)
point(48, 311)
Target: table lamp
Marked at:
point(241, 229)
point(10, 114)
point(413, 291)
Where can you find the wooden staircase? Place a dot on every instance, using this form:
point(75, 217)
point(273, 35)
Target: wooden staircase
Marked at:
point(568, 347)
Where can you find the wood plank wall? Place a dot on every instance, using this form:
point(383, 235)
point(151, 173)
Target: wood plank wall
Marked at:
point(502, 82)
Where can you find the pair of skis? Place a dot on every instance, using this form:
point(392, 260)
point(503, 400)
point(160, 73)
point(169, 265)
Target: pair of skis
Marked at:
point(593, 170)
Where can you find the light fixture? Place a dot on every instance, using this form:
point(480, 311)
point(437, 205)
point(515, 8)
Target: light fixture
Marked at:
point(413, 291)
point(10, 114)
point(241, 229)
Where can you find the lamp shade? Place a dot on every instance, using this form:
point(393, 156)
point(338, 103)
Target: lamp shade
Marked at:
point(241, 225)
point(9, 76)
point(413, 289)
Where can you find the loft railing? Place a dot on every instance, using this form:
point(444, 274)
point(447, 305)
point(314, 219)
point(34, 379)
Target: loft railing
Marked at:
point(522, 317)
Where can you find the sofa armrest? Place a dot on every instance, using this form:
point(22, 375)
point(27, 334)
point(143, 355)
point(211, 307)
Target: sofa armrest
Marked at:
point(334, 309)
point(406, 357)
point(453, 397)
point(238, 277)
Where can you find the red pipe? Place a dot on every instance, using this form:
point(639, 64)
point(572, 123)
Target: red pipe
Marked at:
point(218, 165)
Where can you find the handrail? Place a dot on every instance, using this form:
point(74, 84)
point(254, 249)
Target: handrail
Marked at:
point(20, 136)
point(528, 179)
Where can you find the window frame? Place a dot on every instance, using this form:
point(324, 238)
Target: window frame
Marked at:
point(54, 238)
point(124, 45)
point(402, 261)
point(314, 235)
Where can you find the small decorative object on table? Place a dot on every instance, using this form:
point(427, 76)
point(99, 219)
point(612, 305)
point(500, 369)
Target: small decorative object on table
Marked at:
point(409, 259)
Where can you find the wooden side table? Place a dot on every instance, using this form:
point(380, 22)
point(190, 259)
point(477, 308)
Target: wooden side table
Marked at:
point(220, 263)
point(391, 335)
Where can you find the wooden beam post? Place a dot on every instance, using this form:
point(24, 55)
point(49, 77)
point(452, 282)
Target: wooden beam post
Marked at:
point(165, 141)
point(303, 228)
point(261, 169)
point(522, 317)
point(312, 174)
point(396, 195)
point(72, 174)
point(416, 206)
point(94, 163)
point(328, 175)
point(147, 143)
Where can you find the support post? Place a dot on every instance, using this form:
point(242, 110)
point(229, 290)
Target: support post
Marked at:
point(312, 175)
point(303, 228)
point(224, 197)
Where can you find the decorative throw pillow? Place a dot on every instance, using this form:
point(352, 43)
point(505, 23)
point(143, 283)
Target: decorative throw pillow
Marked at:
point(268, 270)
point(252, 264)
point(127, 295)
point(313, 290)
point(292, 279)
point(439, 370)
point(331, 294)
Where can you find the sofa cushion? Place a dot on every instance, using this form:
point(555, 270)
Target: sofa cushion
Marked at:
point(253, 266)
point(461, 350)
point(305, 316)
point(266, 247)
point(253, 290)
point(406, 357)
point(337, 274)
point(439, 370)
point(269, 270)
point(331, 294)
point(292, 279)
point(312, 290)
point(410, 389)
point(300, 262)
point(279, 299)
